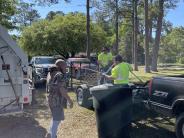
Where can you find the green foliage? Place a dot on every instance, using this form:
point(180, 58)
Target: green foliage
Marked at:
point(25, 15)
point(172, 48)
point(181, 60)
point(7, 10)
point(52, 14)
point(126, 41)
point(33, 40)
point(62, 35)
point(105, 14)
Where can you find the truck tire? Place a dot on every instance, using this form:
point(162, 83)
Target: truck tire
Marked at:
point(180, 126)
point(84, 98)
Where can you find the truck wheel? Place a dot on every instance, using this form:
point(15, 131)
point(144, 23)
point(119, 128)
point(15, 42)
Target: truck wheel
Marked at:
point(84, 98)
point(180, 126)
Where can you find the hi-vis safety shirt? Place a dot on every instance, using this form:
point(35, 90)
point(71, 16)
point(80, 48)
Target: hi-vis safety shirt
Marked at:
point(110, 56)
point(121, 73)
point(104, 59)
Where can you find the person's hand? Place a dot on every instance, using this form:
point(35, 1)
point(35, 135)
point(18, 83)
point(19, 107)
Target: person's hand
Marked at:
point(105, 75)
point(70, 104)
point(113, 65)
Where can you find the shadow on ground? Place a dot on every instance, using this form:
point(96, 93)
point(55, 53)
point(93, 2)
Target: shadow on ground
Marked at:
point(26, 124)
point(149, 124)
point(20, 126)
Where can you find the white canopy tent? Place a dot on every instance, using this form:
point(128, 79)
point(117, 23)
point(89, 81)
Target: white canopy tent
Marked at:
point(7, 42)
point(13, 75)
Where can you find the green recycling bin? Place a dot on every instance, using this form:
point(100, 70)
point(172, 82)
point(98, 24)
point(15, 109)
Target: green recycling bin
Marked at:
point(113, 107)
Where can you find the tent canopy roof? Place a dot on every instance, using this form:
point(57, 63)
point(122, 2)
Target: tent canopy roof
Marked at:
point(7, 42)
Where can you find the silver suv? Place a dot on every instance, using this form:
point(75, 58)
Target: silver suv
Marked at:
point(40, 66)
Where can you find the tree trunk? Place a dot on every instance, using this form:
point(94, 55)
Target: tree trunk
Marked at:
point(146, 39)
point(157, 38)
point(117, 30)
point(88, 29)
point(150, 24)
point(135, 35)
point(132, 46)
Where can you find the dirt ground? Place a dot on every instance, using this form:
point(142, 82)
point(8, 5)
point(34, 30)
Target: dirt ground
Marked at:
point(79, 122)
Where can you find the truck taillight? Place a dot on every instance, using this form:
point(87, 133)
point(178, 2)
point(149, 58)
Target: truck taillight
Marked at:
point(150, 86)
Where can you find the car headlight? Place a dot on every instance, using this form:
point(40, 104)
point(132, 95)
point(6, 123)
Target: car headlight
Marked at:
point(39, 70)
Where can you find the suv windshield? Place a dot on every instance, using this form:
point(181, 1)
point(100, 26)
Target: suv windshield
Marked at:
point(44, 61)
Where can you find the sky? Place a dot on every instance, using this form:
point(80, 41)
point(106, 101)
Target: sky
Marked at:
point(175, 16)
point(74, 5)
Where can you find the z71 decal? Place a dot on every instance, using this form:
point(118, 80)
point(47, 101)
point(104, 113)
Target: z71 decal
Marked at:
point(160, 94)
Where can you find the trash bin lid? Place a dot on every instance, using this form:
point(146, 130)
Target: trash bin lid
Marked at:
point(105, 90)
point(100, 91)
point(101, 87)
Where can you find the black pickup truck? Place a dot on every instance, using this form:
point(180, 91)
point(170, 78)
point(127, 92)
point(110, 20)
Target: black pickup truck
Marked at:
point(166, 96)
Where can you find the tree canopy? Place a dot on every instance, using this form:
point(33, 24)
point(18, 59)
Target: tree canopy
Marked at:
point(172, 48)
point(7, 10)
point(139, 35)
point(61, 35)
point(25, 15)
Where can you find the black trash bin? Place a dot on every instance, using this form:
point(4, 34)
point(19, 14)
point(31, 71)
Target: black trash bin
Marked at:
point(113, 107)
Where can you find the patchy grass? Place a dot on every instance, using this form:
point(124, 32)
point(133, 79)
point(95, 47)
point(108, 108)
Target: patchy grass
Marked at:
point(163, 71)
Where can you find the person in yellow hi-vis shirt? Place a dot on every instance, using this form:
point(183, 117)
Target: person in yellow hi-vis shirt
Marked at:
point(120, 72)
point(104, 59)
point(104, 62)
point(109, 55)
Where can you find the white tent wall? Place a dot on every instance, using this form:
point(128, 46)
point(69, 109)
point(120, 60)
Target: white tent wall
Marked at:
point(15, 61)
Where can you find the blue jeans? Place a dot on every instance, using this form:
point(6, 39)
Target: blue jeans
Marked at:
point(53, 128)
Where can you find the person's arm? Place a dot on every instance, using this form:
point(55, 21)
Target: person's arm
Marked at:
point(109, 77)
point(99, 61)
point(64, 93)
point(63, 89)
point(47, 81)
point(113, 75)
